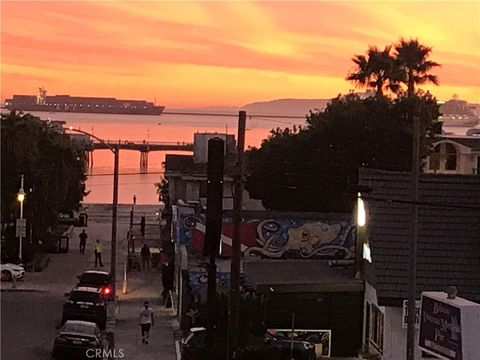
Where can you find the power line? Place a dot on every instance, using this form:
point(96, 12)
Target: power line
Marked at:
point(234, 115)
point(129, 173)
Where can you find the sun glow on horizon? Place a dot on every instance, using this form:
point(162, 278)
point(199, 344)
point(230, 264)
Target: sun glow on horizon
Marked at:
point(224, 53)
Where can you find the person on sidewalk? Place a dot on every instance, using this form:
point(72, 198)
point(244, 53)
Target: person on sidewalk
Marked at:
point(83, 241)
point(146, 321)
point(145, 252)
point(98, 253)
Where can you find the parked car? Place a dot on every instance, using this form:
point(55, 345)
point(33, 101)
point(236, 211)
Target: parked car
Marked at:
point(280, 349)
point(194, 347)
point(10, 271)
point(86, 303)
point(100, 279)
point(78, 339)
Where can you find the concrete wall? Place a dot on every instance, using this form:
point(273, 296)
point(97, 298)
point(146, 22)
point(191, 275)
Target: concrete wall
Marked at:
point(466, 161)
point(192, 190)
point(394, 335)
point(200, 145)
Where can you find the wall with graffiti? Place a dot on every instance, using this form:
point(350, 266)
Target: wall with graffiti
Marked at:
point(277, 238)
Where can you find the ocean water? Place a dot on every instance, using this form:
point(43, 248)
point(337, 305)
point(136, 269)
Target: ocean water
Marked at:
point(163, 128)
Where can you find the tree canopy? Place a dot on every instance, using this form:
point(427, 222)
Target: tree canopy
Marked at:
point(53, 167)
point(386, 70)
point(312, 168)
point(315, 168)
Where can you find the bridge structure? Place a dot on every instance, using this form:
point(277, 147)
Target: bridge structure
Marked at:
point(144, 147)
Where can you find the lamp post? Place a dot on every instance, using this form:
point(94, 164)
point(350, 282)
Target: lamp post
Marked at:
point(113, 257)
point(20, 225)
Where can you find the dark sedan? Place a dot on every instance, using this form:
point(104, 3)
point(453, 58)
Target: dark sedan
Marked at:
point(100, 279)
point(78, 340)
point(86, 303)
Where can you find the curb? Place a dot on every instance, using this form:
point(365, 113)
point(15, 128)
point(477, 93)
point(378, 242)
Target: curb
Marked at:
point(177, 350)
point(22, 290)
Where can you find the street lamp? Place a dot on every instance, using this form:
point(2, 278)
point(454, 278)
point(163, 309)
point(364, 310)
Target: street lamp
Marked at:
point(115, 150)
point(21, 226)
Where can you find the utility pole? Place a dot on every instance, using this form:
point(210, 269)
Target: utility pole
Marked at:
point(115, 149)
point(216, 155)
point(113, 268)
point(414, 234)
point(234, 303)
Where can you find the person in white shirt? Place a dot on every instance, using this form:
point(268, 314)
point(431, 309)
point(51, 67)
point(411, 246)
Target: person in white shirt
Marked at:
point(146, 321)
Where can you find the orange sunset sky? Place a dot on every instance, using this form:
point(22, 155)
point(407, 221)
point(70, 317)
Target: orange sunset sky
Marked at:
point(222, 52)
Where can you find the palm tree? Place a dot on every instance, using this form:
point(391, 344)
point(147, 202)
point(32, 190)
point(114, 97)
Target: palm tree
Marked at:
point(376, 71)
point(412, 61)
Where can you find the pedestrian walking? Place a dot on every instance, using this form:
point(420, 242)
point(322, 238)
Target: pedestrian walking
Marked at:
point(83, 241)
point(146, 322)
point(98, 253)
point(145, 252)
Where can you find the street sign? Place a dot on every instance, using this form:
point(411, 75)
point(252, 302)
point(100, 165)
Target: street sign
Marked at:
point(21, 228)
point(405, 314)
point(440, 329)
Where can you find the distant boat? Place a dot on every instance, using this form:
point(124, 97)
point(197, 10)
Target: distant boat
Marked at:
point(458, 113)
point(77, 104)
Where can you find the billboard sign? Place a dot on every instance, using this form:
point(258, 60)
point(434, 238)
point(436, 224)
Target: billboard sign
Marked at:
point(440, 329)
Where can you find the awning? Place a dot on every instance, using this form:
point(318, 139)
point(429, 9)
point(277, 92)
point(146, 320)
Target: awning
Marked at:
point(301, 276)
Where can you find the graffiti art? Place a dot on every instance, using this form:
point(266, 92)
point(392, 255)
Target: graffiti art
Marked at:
point(277, 238)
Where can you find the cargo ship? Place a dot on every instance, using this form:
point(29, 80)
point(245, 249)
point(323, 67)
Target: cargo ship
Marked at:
point(80, 104)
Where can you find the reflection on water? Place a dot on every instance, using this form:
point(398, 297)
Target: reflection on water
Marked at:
point(164, 128)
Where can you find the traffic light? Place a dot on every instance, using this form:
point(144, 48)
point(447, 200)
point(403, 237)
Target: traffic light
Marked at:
point(216, 150)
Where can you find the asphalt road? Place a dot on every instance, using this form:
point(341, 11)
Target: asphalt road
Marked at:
point(30, 320)
point(28, 324)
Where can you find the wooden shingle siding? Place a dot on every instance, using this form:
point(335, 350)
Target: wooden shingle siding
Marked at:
point(448, 233)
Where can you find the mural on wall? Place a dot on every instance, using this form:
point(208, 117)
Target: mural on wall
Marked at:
point(277, 238)
point(295, 238)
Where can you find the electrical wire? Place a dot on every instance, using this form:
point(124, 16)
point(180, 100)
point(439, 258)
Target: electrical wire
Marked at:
point(233, 115)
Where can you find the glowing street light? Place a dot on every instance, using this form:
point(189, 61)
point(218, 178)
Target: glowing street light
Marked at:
point(361, 216)
point(21, 225)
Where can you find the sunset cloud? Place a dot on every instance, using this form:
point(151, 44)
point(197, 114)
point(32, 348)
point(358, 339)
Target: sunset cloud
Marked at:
point(224, 52)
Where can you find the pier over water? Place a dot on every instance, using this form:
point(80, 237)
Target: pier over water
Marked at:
point(144, 147)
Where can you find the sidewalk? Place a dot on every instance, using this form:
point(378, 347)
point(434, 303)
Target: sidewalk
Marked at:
point(60, 276)
point(142, 286)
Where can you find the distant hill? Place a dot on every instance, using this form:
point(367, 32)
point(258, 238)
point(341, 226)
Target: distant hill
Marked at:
point(286, 106)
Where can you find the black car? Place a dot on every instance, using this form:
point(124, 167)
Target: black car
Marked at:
point(194, 347)
point(99, 279)
point(85, 303)
point(280, 349)
point(78, 340)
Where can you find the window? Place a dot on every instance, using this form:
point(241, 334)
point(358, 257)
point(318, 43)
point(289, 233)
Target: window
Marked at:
point(451, 157)
point(376, 331)
point(435, 158)
point(478, 165)
point(203, 188)
point(443, 157)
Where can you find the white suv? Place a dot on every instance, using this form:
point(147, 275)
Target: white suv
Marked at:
point(11, 271)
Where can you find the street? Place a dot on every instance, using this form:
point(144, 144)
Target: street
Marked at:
point(28, 324)
point(31, 313)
